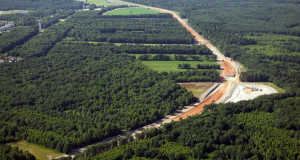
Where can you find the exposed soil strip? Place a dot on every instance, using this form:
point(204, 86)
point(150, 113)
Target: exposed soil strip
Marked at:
point(227, 68)
point(211, 99)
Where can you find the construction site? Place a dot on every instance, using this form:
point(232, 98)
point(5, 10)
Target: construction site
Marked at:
point(230, 90)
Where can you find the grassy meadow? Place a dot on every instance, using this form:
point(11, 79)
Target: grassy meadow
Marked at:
point(132, 11)
point(40, 152)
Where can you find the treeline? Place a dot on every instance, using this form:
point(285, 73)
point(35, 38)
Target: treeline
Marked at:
point(39, 45)
point(254, 129)
point(80, 93)
point(158, 57)
point(166, 49)
point(199, 66)
point(12, 153)
point(163, 57)
point(29, 4)
point(16, 36)
point(160, 15)
point(129, 30)
point(195, 76)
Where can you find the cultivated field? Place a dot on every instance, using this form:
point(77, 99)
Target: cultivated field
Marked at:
point(132, 11)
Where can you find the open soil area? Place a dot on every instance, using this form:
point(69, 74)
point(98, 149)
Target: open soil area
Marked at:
point(196, 88)
point(211, 99)
point(248, 91)
point(227, 68)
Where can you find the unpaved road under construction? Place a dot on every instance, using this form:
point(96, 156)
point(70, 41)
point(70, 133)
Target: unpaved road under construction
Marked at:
point(220, 94)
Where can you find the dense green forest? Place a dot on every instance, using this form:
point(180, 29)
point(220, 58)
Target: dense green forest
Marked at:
point(26, 23)
point(80, 93)
point(233, 26)
point(264, 128)
point(128, 29)
point(36, 4)
point(75, 87)
point(39, 45)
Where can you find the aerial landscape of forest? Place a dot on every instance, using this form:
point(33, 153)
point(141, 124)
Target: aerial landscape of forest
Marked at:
point(149, 79)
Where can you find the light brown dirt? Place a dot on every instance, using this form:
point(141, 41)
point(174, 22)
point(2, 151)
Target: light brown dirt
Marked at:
point(225, 65)
point(227, 68)
point(211, 99)
point(248, 90)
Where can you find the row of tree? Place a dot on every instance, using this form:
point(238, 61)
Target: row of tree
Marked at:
point(129, 30)
point(166, 49)
point(39, 45)
point(16, 36)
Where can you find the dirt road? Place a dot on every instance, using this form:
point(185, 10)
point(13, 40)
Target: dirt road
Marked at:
point(194, 108)
point(228, 69)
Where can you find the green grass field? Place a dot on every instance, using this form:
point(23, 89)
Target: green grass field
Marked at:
point(168, 66)
point(40, 152)
point(132, 11)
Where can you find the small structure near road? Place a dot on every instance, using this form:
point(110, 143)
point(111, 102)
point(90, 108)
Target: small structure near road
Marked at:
point(40, 24)
point(8, 25)
point(10, 59)
point(247, 91)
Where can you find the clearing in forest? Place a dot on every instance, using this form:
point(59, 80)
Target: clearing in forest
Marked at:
point(132, 11)
point(197, 88)
point(38, 151)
